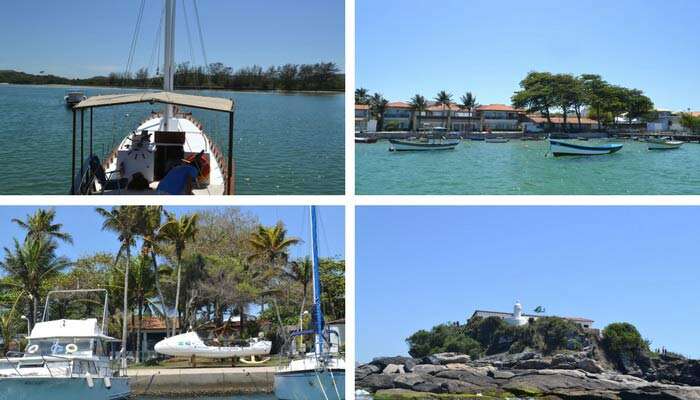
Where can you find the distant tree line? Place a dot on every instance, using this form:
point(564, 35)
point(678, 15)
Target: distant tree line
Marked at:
point(325, 76)
point(547, 93)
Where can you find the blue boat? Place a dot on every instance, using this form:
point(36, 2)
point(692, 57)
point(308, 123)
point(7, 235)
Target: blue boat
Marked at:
point(560, 148)
point(320, 375)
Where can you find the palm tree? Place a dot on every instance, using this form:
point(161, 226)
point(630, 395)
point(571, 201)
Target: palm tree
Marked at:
point(178, 232)
point(31, 264)
point(41, 223)
point(377, 107)
point(143, 278)
point(468, 102)
point(300, 272)
point(444, 99)
point(7, 319)
point(361, 96)
point(125, 222)
point(149, 231)
point(418, 105)
point(271, 245)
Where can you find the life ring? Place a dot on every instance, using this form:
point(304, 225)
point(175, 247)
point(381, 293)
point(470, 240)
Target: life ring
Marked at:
point(204, 166)
point(32, 349)
point(71, 348)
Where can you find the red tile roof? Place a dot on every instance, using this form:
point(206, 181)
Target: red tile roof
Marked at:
point(496, 107)
point(435, 107)
point(398, 104)
point(361, 107)
point(151, 323)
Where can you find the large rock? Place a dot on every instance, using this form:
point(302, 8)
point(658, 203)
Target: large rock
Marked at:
point(451, 358)
point(532, 364)
point(393, 369)
point(408, 381)
point(375, 382)
point(366, 369)
point(407, 362)
point(428, 369)
point(589, 365)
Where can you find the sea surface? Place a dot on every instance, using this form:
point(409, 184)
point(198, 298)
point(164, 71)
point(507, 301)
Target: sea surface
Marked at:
point(283, 143)
point(522, 168)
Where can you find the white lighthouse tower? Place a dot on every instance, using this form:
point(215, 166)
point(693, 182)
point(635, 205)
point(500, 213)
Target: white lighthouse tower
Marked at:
point(517, 319)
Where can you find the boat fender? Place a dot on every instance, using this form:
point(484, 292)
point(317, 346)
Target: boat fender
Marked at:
point(89, 380)
point(32, 349)
point(71, 348)
point(108, 382)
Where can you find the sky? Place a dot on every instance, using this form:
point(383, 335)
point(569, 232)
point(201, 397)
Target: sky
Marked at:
point(404, 47)
point(85, 226)
point(417, 267)
point(83, 38)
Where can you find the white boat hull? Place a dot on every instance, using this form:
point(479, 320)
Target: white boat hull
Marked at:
point(670, 145)
point(47, 388)
point(433, 145)
point(189, 344)
point(310, 385)
point(570, 149)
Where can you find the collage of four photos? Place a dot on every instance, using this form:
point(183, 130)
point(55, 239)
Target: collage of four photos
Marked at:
point(501, 197)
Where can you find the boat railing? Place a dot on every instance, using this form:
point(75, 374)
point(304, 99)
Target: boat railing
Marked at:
point(101, 367)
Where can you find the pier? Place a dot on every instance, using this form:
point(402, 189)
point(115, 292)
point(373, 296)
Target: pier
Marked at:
point(201, 381)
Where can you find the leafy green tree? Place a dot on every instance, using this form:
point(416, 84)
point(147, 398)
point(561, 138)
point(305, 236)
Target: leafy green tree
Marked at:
point(622, 341)
point(637, 105)
point(595, 94)
point(537, 95)
point(690, 122)
point(566, 94)
point(418, 105)
point(178, 233)
point(271, 245)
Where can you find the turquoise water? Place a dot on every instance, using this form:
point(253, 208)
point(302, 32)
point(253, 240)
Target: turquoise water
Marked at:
point(519, 167)
point(283, 143)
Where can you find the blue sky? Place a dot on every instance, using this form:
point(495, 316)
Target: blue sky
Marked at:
point(405, 47)
point(417, 267)
point(85, 226)
point(85, 38)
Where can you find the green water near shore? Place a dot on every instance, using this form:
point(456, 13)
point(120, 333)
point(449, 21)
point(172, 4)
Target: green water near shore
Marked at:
point(283, 143)
point(521, 168)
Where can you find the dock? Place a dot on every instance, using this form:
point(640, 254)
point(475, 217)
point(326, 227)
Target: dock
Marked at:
point(201, 381)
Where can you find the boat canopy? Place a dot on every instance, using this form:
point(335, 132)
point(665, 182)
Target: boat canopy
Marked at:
point(87, 328)
point(186, 100)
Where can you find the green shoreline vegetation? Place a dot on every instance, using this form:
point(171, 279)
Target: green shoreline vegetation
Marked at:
point(548, 94)
point(319, 77)
point(205, 267)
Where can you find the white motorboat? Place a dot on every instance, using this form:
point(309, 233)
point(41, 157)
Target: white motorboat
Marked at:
point(497, 140)
point(65, 359)
point(664, 144)
point(320, 375)
point(74, 97)
point(191, 345)
point(560, 148)
point(159, 155)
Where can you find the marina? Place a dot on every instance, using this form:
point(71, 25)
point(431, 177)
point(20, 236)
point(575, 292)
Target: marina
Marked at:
point(522, 167)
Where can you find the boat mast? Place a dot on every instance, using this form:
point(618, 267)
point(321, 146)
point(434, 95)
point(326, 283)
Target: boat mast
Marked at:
point(169, 61)
point(318, 314)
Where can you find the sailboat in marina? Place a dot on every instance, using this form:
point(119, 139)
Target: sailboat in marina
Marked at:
point(168, 153)
point(65, 359)
point(319, 375)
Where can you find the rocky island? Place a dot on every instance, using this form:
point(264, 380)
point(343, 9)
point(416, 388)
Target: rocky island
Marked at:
point(547, 357)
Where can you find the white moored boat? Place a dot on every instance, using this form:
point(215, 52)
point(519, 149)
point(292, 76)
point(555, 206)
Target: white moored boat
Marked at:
point(191, 345)
point(320, 375)
point(664, 144)
point(65, 359)
point(74, 97)
point(560, 148)
point(169, 153)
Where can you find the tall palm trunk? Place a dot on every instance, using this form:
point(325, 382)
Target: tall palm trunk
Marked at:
point(138, 332)
point(177, 293)
point(126, 303)
point(161, 299)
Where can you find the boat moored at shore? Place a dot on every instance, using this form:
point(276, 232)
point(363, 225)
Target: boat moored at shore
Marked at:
point(664, 144)
point(74, 97)
point(560, 148)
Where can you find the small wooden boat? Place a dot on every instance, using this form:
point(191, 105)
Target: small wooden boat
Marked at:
point(560, 148)
point(368, 140)
point(422, 145)
point(664, 144)
point(497, 140)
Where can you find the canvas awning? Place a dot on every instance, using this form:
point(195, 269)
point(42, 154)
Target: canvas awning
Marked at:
point(186, 100)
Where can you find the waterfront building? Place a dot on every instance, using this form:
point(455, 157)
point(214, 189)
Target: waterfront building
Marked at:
point(518, 318)
point(397, 116)
point(361, 117)
point(499, 117)
point(538, 123)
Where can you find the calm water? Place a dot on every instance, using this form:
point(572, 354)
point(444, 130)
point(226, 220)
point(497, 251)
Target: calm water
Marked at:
point(519, 167)
point(283, 143)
